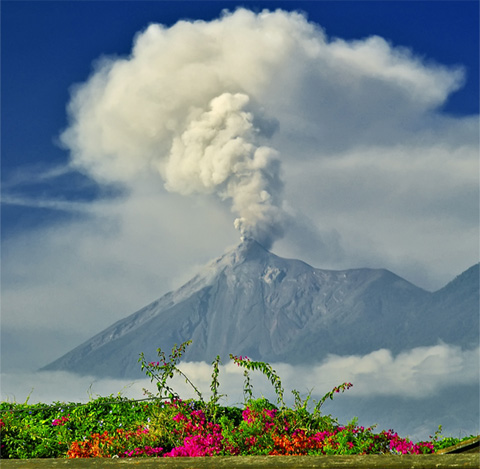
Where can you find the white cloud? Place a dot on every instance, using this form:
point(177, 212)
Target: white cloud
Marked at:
point(376, 58)
point(412, 208)
point(415, 374)
point(82, 272)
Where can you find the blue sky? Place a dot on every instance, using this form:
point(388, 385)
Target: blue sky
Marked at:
point(371, 149)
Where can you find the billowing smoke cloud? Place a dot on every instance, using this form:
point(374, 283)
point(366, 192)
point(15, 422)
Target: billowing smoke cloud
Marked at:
point(179, 107)
point(195, 105)
point(218, 153)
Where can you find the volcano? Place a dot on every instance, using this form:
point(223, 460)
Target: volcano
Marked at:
point(252, 302)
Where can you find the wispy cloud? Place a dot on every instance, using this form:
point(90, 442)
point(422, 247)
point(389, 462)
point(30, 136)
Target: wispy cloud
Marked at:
point(33, 174)
point(52, 204)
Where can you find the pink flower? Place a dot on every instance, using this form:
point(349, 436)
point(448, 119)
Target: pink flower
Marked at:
point(248, 416)
point(179, 418)
point(60, 421)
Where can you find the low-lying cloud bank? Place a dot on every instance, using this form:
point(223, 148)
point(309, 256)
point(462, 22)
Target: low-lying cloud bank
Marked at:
point(413, 373)
point(413, 392)
point(417, 373)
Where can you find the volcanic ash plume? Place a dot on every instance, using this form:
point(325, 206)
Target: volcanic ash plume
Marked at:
point(189, 105)
point(218, 153)
point(185, 105)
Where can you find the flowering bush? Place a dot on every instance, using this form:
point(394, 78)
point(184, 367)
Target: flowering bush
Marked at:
point(121, 443)
point(166, 426)
point(200, 438)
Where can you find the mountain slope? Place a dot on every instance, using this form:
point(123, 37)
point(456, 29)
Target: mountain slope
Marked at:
point(251, 302)
point(453, 311)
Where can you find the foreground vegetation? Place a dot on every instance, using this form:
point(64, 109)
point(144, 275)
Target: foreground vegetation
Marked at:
point(167, 426)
